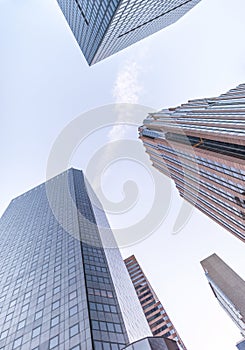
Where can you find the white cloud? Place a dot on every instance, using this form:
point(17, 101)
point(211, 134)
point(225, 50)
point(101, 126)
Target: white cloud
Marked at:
point(127, 87)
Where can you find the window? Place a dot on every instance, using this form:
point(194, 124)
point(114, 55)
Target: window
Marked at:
point(41, 298)
point(42, 286)
point(6, 287)
point(72, 269)
point(54, 342)
point(95, 324)
point(38, 314)
point(71, 260)
point(17, 342)
point(27, 295)
point(12, 303)
point(36, 331)
point(55, 320)
point(107, 326)
point(73, 310)
point(118, 328)
point(77, 347)
point(110, 326)
point(72, 281)
point(3, 298)
point(25, 308)
point(98, 345)
point(45, 266)
point(4, 334)
point(9, 317)
point(57, 278)
point(16, 290)
point(57, 268)
point(74, 330)
point(73, 295)
point(21, 324)
point(56, 290)
point(55, 304)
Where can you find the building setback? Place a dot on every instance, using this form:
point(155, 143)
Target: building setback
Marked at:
point(201, 146)
point(228, 288)
point(153, 343)
point(157, 318)
point(103, 28)
point(61, 286)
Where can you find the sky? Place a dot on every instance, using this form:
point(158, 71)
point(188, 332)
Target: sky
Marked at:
point(46, 83)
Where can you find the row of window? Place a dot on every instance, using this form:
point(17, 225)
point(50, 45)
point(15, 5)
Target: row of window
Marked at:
point(106, 326)
point(95, 268)
point(53, 342)
point(100, 292)
point(103, 307)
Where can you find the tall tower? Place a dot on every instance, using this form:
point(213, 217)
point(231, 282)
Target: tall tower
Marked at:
point(201, 146)
point(103, 28)
point(63, 282)
point(157, 317)
point(228, 288)
point(241, 345)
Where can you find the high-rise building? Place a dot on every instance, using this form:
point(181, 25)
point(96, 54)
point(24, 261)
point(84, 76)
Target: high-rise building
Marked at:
point(103, 28)
point(201, 146)
point(63, 282)
point(241, 345)
point(157, 317)
point(228, 288)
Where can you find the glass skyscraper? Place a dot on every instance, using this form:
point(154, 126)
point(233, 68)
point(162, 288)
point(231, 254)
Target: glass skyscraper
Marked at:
point(228, 288)
point(157, 317)
point(104, 27)
point(63, 283)
point(201, 146)
point(241, 345)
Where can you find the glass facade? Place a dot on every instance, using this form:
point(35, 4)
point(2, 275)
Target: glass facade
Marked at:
point(157, 317)
point(201, 145)
point(241, 345)
point(56, 286)
point(105, 27)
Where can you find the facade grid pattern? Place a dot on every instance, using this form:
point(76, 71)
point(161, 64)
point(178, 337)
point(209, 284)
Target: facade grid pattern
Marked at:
point(56, 289)
point(157, 317)
point(105, 27)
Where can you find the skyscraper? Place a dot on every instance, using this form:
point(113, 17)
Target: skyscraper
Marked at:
point(157, 317)
point(103, 28)
point(241, 345)
point(228, 288)
point(201, 146)
point(63, 283)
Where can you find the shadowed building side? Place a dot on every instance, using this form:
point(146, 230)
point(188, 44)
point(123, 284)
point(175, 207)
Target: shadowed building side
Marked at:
point(228, 287)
